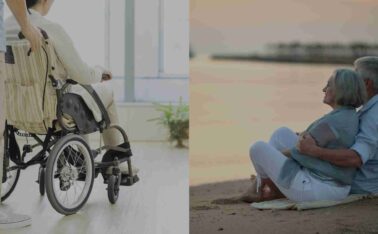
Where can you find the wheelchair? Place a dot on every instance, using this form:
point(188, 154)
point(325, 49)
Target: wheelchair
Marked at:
point(55, 123)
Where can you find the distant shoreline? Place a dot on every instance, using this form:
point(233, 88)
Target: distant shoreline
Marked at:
point(287, 59)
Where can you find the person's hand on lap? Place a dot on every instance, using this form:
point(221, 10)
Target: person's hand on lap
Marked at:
point(107, 75)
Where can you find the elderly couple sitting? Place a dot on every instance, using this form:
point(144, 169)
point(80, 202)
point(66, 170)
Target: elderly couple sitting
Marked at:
point(71, 66)
point(335, 156)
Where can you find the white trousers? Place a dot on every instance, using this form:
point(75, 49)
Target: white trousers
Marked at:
point(268, 161)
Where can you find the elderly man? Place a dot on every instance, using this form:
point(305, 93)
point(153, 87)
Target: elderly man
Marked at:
point(18, 8)
point(363, 153)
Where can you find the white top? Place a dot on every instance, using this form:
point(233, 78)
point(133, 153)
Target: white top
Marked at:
point(75, 68)
point(71, 65)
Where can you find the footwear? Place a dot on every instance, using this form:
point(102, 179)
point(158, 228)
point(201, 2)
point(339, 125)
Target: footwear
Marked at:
point(126, 180)
point(111, 154)
point(13, 220)
point(124, 169)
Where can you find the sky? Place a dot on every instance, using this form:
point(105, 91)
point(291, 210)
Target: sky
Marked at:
point(244, 26)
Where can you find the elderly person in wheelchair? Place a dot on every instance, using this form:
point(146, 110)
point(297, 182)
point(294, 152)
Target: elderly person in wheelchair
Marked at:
point(52, 92)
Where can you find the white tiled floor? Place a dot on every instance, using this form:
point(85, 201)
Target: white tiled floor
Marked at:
point(163, 90)
point(157, 204)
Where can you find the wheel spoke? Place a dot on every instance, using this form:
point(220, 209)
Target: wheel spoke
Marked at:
point(73, 164)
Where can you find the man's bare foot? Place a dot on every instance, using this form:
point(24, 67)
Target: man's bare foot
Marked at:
point(251, 195)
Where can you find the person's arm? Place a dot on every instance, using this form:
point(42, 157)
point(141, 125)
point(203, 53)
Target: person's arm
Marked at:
point(31, 33)
point(339, 157)
point(76, 68)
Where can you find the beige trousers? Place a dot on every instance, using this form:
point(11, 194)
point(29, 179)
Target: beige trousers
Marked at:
point(105, 92)
point(2, 114)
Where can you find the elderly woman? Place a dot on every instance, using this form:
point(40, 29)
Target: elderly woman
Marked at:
point(303, 178)
point(71, 66)
point(282, 171)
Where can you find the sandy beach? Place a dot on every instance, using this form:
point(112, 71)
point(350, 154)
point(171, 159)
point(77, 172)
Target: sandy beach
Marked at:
point(234, 104)
point(357, 217)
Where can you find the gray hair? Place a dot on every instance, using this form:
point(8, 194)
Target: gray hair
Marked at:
point(367, 68)
point(349, 88)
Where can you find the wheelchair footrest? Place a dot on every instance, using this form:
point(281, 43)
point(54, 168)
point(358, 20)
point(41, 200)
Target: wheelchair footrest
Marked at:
point(111, 154)
point(126, 180)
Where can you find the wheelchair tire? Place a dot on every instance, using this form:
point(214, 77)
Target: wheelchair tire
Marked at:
point(12, 176)
point(113, 188)
point(62, 179)
point(9, 185)
point(41, 180)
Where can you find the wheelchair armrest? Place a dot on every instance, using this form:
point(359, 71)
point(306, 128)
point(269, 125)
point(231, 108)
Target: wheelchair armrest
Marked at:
point(69, 81)
point(99, 103)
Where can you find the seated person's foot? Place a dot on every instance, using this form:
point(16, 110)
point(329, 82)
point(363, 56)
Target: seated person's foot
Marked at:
point(12, 220)
point(110, 155)
point(126, 178)
point(124, 169)
point(270, 194)
point(251, 195)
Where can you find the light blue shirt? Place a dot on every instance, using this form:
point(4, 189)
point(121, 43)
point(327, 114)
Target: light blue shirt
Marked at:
point(343, 124)
point(2, 32)
point(366, 145)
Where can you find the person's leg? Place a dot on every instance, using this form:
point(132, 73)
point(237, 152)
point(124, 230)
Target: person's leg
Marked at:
point(7, 219)
point(111, 136)
point(268, 162)
point(105, 92)
point(283, 138)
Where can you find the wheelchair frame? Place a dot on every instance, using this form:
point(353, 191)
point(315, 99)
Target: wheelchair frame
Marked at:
point(53, 145)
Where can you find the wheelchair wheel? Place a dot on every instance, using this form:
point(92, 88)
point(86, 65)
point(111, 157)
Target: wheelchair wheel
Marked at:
point(41, 180)
point(113, 188)
point(69, 174)
point(9, 184)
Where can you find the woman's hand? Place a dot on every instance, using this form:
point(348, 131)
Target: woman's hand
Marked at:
point(286, 152)
point(33, 35)
point(306, 144)
point(106, 75)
